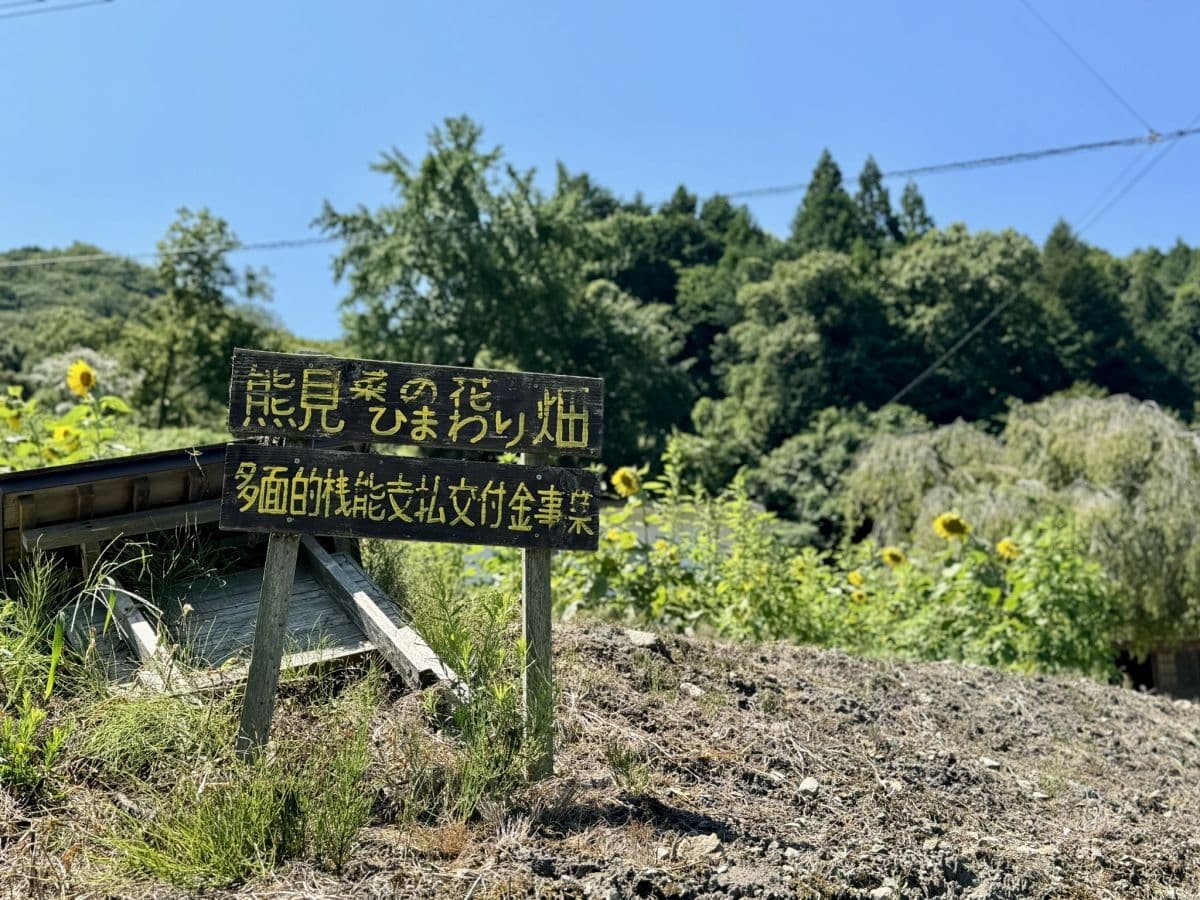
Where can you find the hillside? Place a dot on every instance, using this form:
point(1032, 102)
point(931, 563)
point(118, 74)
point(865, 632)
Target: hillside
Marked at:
point(694, 769)
point(46, 309)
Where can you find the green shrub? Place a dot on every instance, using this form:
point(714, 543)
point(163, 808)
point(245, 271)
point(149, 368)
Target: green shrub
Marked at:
point(1127, 472)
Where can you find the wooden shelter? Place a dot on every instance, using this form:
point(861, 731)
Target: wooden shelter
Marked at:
point(86, 512)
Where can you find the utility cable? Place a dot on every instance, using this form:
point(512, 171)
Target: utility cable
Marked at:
point(41, 10)
point(1083, 62)
point(984, 162)
point(1142, 173)
point(1170, 138)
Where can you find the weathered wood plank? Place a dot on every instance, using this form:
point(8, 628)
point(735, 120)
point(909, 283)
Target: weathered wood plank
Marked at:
point(306, 395)
point(134, 627)
point(72, 534)
point(270, 630)
point(278, 489)
point(539, 672)
point(401, 646)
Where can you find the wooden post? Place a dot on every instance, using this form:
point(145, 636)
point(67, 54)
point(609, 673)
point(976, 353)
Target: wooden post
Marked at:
point(270, 629)
point(535, 628)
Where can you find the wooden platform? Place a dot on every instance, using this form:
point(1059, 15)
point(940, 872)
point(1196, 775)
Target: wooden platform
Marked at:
point(82, 512)
point(212, 643)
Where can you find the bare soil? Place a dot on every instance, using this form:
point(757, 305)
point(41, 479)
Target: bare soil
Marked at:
point(693, 769)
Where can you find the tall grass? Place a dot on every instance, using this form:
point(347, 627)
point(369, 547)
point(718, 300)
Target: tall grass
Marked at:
point(474, 631)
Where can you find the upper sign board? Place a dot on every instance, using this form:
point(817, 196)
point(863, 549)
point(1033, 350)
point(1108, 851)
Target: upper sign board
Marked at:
point(302, 395)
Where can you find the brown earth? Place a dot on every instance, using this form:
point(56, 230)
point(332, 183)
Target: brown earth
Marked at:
point(695, 769)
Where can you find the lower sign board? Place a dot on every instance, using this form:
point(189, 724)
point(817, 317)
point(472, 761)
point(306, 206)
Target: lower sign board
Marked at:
point(293, 489)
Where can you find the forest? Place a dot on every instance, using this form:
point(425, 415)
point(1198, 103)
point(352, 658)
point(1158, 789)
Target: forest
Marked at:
point(823, 375)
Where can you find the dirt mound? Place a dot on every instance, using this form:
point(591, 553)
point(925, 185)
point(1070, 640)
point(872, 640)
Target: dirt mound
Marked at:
point(692, 769)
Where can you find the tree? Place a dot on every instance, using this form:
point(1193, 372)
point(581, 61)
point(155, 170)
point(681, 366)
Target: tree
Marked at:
point(472, 258)
point(880, 226)
point(184, 339)
point(812, 335)
point(914, 220)
point(939, 288)
point(472, 265)
point(827, 218)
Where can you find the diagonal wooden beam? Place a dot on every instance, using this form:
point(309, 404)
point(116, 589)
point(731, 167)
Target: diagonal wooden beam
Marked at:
point(400, 645)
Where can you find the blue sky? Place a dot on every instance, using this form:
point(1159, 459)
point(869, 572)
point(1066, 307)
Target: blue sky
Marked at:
point(116, 115)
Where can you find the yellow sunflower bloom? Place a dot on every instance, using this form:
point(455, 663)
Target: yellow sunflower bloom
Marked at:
point(893, 557)
point(625, 481)
point(1008, 549)
point(14, 422)
point(859, 596)
point(81, 378)
point(855, 578)
point(65, 434)
point(950, 526)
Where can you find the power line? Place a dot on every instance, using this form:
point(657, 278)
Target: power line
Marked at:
point(1169, 137)
point(285, 244)
point(1142, 173)
point(984, 162)
point(14, 3)
point(1004, 304)
point(1108, 188)
point(41, 10)
point(954, 348)
point(1083, 62)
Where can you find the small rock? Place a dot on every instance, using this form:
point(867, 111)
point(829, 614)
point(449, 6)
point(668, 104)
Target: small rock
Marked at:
point(694, 691)
point(722, 869)
point(791, 852)
point(809, 786)
point(1039, 795)
point(699, 845)
point(662, 853)
point(881, 893)
point(774, 845)
point(645, 639)
point(989, 763)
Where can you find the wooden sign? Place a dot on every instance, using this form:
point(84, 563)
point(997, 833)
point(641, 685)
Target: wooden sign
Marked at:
point(292, 489)
point(307, 396)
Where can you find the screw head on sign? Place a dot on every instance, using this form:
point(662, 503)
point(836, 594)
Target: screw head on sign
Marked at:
point(296, 460)
point(539, 478)
point(290, 519)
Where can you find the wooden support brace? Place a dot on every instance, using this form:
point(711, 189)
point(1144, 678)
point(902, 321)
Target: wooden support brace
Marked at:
point(270, 629)
point(400, 645)
point(535, 628)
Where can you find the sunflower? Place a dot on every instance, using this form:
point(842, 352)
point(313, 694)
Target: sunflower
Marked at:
point(65, 434)
point(893, 557)
point(14, 421)
point(859, 596)
point(950, 526)
point(1008, 549)
point(625, 481)
point(855, 578)
point(81, 378)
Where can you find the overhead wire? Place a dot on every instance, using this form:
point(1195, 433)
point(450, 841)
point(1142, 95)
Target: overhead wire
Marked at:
point(1130, 185)
point(1087, 65)
point(42, 10)
point(1004, 304)
point(1169, 138)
